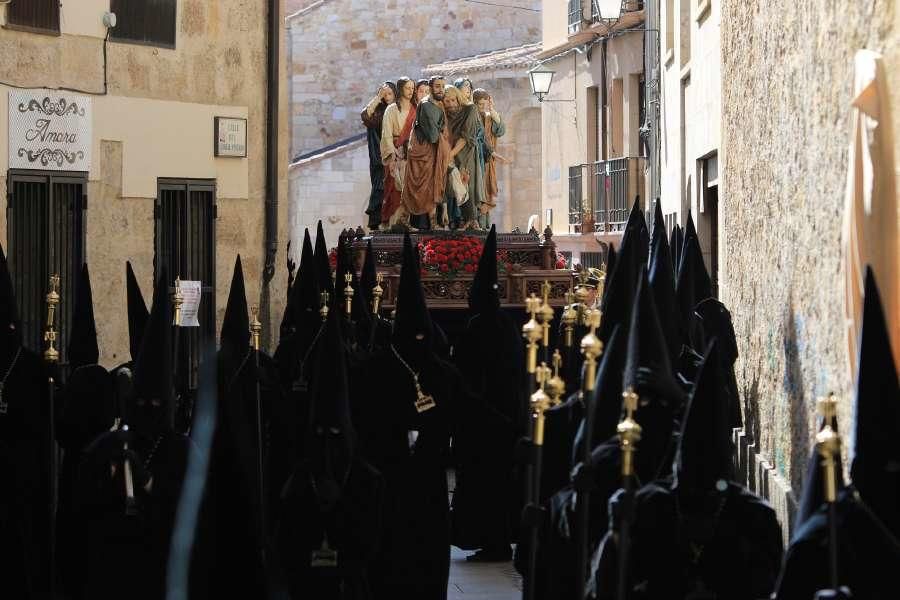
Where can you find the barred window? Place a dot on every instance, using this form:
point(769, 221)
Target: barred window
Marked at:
point(34, 15)
point(150, 22)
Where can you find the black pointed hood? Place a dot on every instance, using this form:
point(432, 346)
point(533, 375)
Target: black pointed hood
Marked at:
point(876, 462)
point(369, 275)
point(484, 294)
point(646, 341)
point(610, 267)
point(323, 267)
point(676, 243)
point(705, 449)
point(153, 366)
point(607, 397)
point(83, 349)
point(9, 309)
point(138, 315)
point(288, 323)
point(662, 282)
point(692, 286)
point(659, 224)
point(413, 329)
point(236, 322)
point(713, 321)
point(622, 282)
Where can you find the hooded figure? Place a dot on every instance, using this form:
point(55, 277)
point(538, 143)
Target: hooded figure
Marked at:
point(230, 540)
point(712, 320)
point(88, 411)
point(24, 456)
point(701, 533)
point(293, 360)
point(404, 431)
point(622, 282)
point(662, 282)
point(489, 355)
point(331, 510)
point(126, 542)
point(868, 546)
point(137, 312)
point(693, 285)
point(378, 330)
point(323, 266)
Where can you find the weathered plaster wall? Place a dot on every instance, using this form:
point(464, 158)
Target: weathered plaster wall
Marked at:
point(334, 75)
point(218, 67)
point(787, 80)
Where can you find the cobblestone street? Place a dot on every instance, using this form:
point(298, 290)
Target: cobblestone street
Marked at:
point(482, 581)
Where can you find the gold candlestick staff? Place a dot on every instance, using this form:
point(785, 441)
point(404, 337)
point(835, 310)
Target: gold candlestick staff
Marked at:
point(51, 355)
point(323, 306)
point(348, 294)
point(377, 292)
point(177, 302)
point(555, 385)
point(531, 331)
point(591, 348)
point(540, 402)
point(569, 318)
point(545, 316)
point(629, 433)
point(828, 446)
point(255, 330)
point(582, 293)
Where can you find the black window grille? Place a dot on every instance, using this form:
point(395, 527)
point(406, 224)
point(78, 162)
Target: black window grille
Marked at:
point(150, 22)
point(185, 245)
point(46, 233)
point(35, 15)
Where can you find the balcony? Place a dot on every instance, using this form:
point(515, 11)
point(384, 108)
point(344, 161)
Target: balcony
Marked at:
point(601, 194)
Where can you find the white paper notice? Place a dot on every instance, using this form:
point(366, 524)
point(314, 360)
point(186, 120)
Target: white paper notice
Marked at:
point(190, 291)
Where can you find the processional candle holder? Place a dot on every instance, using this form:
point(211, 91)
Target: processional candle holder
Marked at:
point(591, 348)
point(51, 354)
point(828, 446)
point(545, 314)
point(540, 402)
point(377, 292)
point(569, 318)
point(531, 331)
point(556, 386)
point(177, 302)
point(348, 293)
point(629, 432)
point(323, 306)
point(255, 327)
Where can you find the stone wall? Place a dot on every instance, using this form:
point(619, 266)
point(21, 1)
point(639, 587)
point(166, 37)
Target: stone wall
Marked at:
point(219, 60)
point(787, 76)
point(333, 75)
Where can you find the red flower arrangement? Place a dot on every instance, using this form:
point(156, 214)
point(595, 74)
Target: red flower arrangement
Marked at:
point(453, 255)
point(560, 260)
point(332, 258)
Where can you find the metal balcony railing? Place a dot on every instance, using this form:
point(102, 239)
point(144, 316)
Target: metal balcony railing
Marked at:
point(601, 193)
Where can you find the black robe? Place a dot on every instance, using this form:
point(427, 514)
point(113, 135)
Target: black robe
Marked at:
point(868, 555)
point(487, 498)
point(128, 554)
point(413, 562)
point(25, 495)
point(734, 551)
point(353, 526)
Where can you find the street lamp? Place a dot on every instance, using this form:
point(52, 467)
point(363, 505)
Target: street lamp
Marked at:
point(610, 10)
point(540, 83)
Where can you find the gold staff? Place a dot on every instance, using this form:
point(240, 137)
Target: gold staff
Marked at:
point(377, 292)
point(629, 433)
point(591, 347)
point(570, 317)
point(323, 308)
point(828, 445)
point(556, 386)
point(255, 330)
point(51, 355)
point(531, 331)
point(545, 315)
point(348, 293)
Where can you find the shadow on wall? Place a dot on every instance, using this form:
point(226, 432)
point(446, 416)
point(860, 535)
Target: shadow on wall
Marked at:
point(796, 396)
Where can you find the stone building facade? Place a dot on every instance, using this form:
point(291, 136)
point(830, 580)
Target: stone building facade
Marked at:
point(787, 81)
point(149, 136)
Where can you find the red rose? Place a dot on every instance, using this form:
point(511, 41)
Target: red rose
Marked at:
point(470, 268)
point(444, 269)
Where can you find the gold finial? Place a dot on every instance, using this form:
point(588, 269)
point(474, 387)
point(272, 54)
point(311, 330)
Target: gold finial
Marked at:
point(591, 347)
point(348, 293)
point(570, 317)
point(323, 305)
point(531, 331)
point(828, 445)
point(629, 431)
point(545, 313)
point(556, 386)
point(540, 402)
point(51, 354)
point(377, 292)
point(177, 301)
point(255, 327)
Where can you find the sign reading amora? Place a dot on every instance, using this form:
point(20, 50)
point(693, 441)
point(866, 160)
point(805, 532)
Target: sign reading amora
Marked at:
point(49, 130)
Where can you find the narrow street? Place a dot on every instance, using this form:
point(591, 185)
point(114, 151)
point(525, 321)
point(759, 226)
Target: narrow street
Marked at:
point(482, 581)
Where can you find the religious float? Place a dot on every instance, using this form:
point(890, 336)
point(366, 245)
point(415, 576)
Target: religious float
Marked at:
point(449, 260)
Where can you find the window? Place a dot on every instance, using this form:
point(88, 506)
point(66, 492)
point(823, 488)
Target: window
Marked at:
point(34, 15)
point(575, 15)
point(684, 34)
point(185, 237)
point(149, 22)
point(45, 220)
